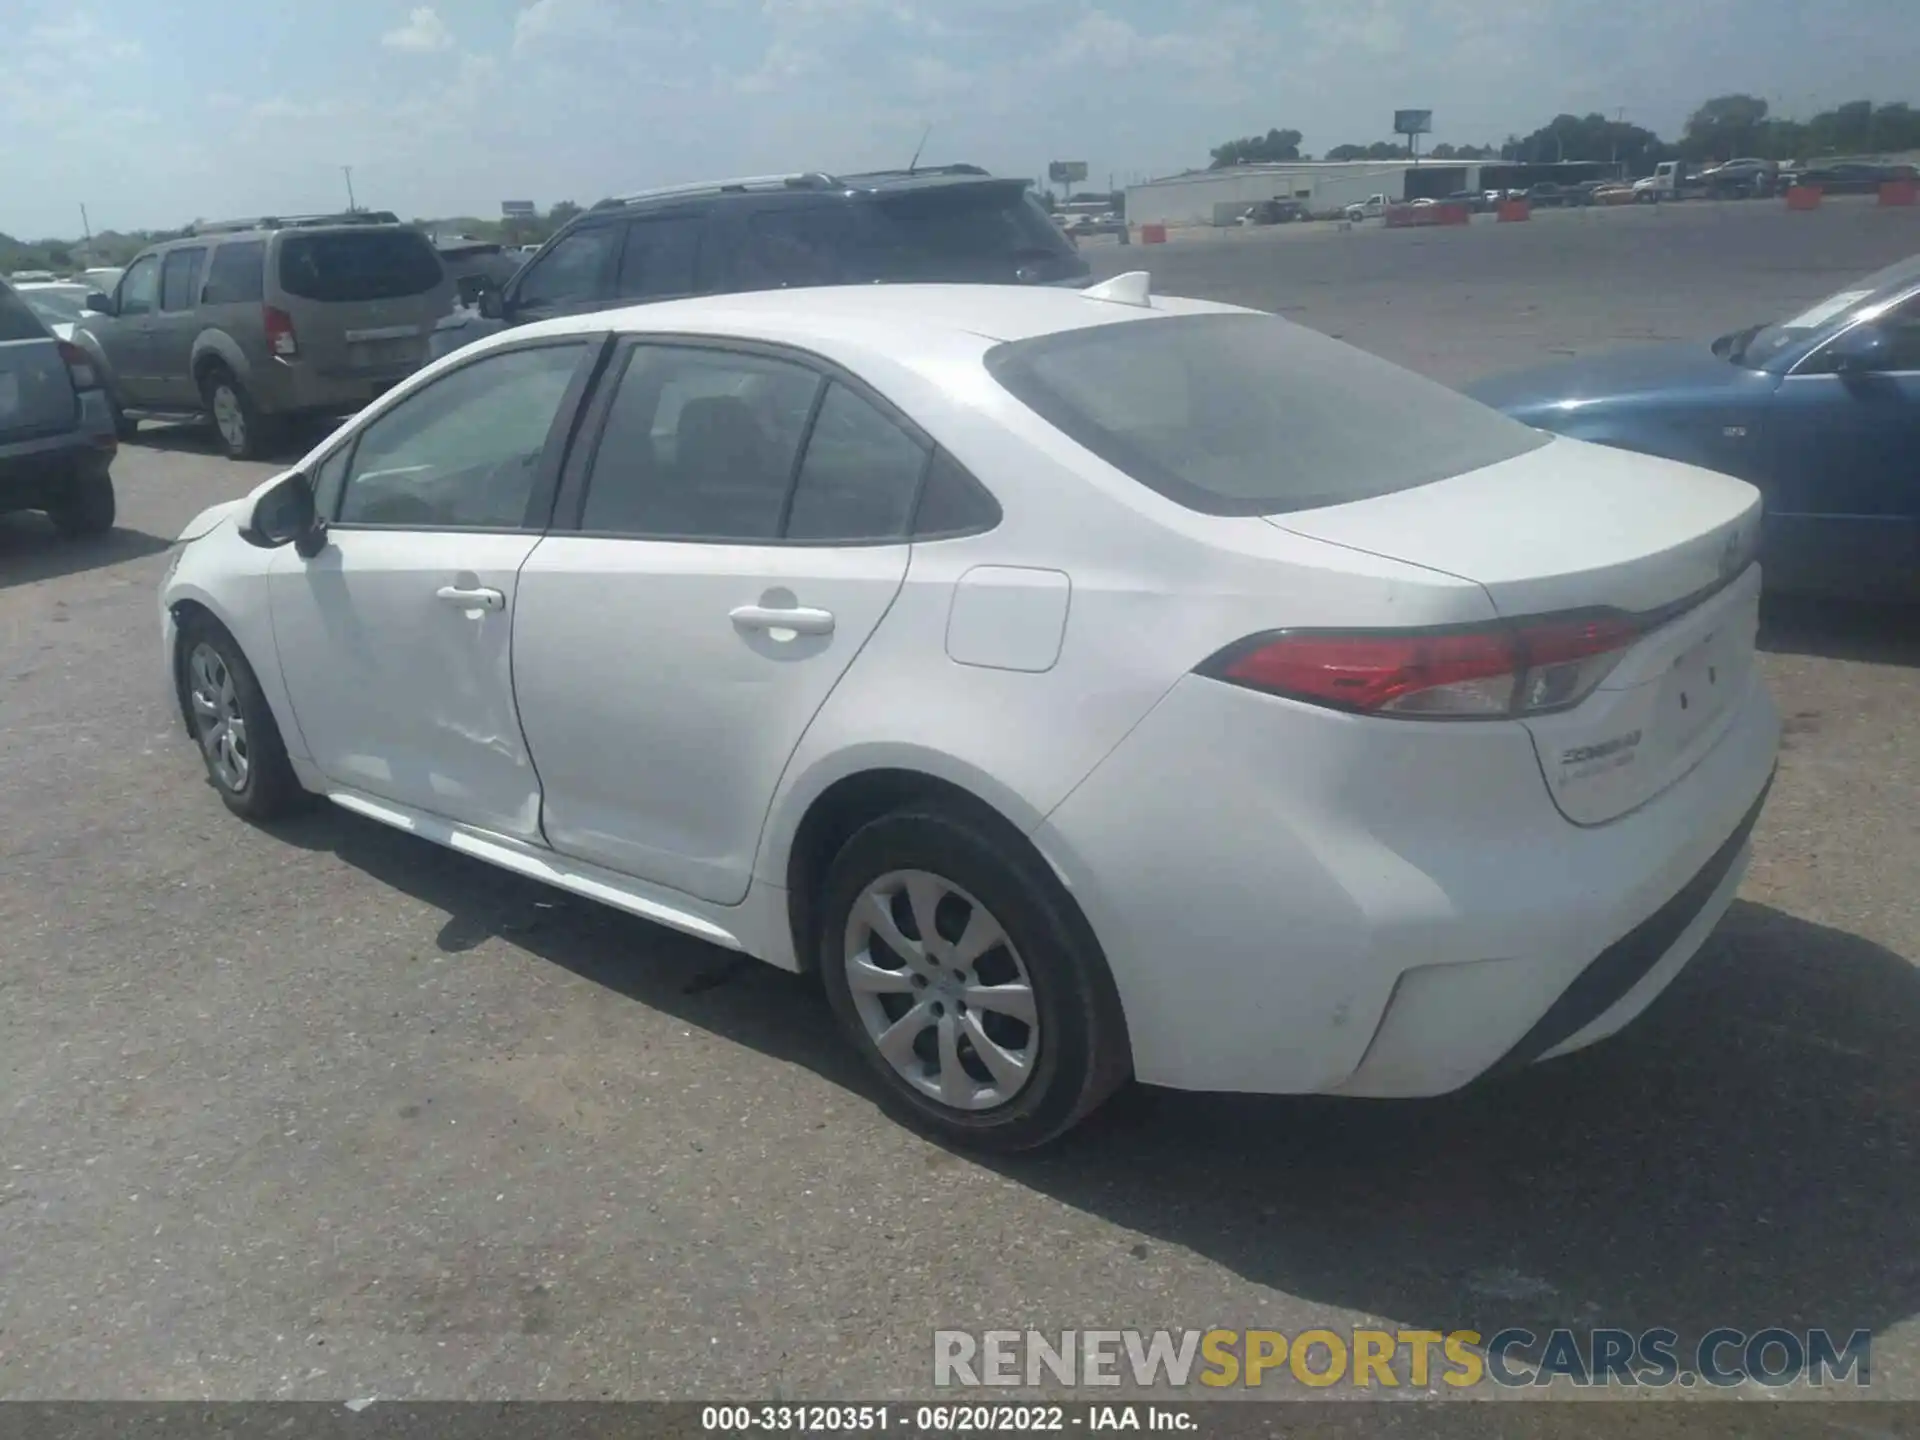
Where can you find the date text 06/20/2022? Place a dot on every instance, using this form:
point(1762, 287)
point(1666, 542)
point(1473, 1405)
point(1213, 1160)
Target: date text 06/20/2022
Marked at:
point(1391, 1359)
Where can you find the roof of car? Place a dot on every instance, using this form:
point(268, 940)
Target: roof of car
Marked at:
point(817, 183)
point(902, 317)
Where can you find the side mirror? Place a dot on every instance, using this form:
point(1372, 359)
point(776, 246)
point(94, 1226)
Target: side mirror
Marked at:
point(99, 302)
point(493, 304)
point(1862, 350)
point(286, 515)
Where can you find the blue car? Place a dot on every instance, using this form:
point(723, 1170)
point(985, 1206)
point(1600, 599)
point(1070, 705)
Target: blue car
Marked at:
point(1820, 410)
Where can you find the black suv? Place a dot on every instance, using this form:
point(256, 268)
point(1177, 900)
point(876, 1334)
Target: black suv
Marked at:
point(950, 223)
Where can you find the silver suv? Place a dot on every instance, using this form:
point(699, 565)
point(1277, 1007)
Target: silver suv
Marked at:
point(251, 322)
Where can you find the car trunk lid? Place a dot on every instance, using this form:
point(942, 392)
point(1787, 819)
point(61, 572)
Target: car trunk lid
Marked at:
point(1572, 527)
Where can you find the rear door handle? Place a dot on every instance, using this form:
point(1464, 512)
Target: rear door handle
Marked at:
point(800, 620)
point(480, 598)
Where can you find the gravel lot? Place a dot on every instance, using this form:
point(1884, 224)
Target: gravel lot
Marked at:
point(328, 1112)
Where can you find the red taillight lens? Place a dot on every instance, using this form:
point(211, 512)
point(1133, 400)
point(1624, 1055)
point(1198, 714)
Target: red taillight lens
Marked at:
point(280, 337)
point(1497, 672)
point(80, 366)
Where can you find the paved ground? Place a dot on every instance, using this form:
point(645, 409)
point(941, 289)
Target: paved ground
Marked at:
point(328, 1112)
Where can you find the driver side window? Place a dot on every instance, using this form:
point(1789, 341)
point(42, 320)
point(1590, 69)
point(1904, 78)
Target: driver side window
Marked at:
point(462, 453)
point(140, 287)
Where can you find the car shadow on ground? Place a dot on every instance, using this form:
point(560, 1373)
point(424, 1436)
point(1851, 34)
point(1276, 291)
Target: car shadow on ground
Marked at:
point(31, 550)
point(1746, 1155)
point(1841, 630)
point(190, 437)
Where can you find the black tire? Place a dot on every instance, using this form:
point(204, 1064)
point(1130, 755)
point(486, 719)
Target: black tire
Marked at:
point(84, 507)
point(1082, 1051)
point(269, 788)
point(124, 429)
point(249, 434)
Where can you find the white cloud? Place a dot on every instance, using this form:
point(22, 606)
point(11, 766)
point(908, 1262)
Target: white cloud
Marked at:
point(423, 33)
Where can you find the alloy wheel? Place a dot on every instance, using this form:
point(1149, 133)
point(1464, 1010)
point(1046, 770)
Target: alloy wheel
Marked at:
point(228, 417)
point(942, 992)
point(217, 718)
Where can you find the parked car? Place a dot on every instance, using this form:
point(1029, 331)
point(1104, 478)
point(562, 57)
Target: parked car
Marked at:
point(252, 322)
point(476, 266)
point(1475, 200)
point(1820, 410)
point(1370, 208)
point(1611, 192)
point(951, 223)
point(33, 277)
point(56, 433)
point(1849, 177)
point(101, 277)
point(61, 305)
point(1547, 194)
point(1741, 179)
point(1273, 212)
point(750, 616)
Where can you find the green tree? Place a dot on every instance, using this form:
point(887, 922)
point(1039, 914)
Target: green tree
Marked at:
point(560, 214)
point(1723, 127)
point(1275, 145)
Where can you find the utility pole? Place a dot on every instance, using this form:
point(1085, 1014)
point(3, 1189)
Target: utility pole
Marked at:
point(347, 170)
point(86, 227)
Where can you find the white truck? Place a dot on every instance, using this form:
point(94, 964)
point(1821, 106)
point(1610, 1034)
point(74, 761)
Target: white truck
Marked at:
point(1671, 180)
point(1370, 208)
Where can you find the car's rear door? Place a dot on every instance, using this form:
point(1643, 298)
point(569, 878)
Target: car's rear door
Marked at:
point(36, 392)
point(720, 554)
point(177, 325)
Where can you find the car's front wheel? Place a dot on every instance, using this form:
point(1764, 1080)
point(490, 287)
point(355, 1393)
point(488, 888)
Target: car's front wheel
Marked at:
point(958, 973)
point(239, 741)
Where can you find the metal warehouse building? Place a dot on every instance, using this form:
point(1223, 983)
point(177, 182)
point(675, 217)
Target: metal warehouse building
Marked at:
point(1217, 197)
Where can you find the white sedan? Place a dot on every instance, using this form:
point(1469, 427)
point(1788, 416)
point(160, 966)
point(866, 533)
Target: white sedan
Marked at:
point(1084, 683)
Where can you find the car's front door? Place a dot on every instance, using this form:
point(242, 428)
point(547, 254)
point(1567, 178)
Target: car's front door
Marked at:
point(177, 326)
point(716, 564)
point(1843, 498)
point(575, 275)
point(394, 637)
point(126, 337)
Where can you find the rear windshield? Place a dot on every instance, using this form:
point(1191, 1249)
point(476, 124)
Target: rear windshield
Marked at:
point(1251, 415)
point(358, 265)
point(17, 322)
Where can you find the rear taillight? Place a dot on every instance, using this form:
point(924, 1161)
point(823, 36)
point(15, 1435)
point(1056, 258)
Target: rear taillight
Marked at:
point(280, 337)
point(1487, 673)
point(79, 366)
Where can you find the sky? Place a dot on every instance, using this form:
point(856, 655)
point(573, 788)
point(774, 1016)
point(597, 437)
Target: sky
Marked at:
point(156, 114)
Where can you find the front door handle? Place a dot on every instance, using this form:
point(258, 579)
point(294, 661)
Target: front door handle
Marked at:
point(479, 598)
point(800, 620)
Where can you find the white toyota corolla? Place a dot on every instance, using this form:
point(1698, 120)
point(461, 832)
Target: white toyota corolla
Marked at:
point(1085, 683)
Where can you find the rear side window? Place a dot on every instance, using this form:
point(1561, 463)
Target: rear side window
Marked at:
point(793, 246)
point(959, 232)
point(347, 265)
point(1251, 415)
point(180, 278)
point(237, 274)
point(658, 257)
point(17, 322)
point(860, 477)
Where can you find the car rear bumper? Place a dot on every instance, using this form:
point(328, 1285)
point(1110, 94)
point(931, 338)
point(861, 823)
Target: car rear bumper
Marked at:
point(283, 388)
point(1296, 901)
point(30, 468)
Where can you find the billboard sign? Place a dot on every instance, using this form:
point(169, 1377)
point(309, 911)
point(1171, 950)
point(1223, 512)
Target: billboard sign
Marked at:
point(1066, 172)
point(520, 208)
point(1413, 122)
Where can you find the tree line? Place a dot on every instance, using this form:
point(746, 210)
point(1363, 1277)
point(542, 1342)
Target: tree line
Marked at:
point(1720, 129)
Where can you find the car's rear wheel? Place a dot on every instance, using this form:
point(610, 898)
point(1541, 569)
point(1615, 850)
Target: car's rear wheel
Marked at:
point(239, 741)
point(960, 976)
point(237, 421)
point(84, 506)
